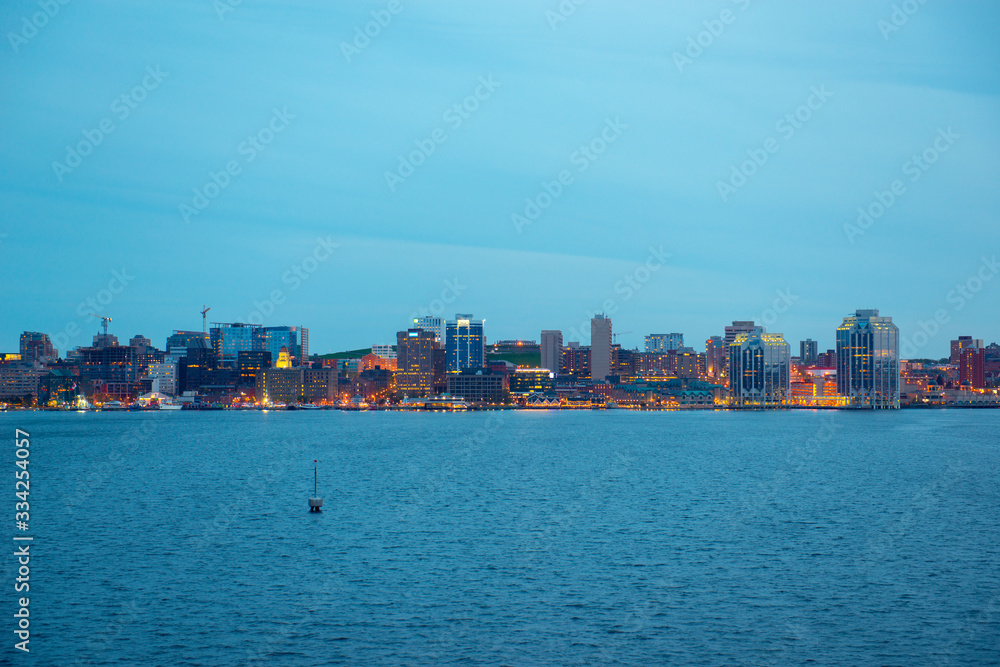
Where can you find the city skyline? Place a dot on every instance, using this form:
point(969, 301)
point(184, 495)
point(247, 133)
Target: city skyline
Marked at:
point(669, 179)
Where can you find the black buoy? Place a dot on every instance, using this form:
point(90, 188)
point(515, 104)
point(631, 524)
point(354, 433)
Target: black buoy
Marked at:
point(315, 503)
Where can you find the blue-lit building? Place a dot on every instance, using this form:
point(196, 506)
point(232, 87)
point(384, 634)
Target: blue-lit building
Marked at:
point(868, 361)
point(296, 339)
point(759, 370)
point(229, 339)
point(465, 345)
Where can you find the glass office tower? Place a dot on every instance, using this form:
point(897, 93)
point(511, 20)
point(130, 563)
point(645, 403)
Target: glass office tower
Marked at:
point(759, 370)
point(868, 361)
point(465, 343)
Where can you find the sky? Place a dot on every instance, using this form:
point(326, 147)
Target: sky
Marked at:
point(675, 165)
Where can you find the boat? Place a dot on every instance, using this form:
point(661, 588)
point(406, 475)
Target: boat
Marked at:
point(170, 406)
point(446, 402)
point(114, 405)
point(306, 406)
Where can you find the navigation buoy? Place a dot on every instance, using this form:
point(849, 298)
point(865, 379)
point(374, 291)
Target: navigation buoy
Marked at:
point(315, 503)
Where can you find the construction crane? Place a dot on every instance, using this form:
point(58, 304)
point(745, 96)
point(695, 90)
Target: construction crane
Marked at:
point(104, 322)
point(204, 318)
point(614, 336)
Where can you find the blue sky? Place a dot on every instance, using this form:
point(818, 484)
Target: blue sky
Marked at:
point(442, 238)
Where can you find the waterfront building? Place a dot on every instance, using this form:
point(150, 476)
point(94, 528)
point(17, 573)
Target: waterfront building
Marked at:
point(600, 348)
point(868, 360)
point(37, 347)
point(415, 350)
point(478, 385)
point(18, 380)
point(525, 381)
point(807, 352)
point(660, 343)
point(166, 374)
point(294, 385)
point(465, 343)
point(551, 349)
point(759, 370)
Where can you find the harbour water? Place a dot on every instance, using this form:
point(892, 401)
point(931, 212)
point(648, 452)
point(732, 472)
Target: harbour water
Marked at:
point(520, 538)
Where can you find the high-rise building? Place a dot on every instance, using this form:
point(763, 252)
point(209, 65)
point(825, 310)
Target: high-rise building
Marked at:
point(868, 360)
point(228, 339)
point(962, 343)
point(551, 350)
point(164, 377)
point(36, 346)
point(759, 370)
point(296, 339)
point(807, 352)
point(716, 358)
point(660, 343)
point(600, 348)
point(187, 339)
point(249, 364)
point(972, 367)
point(432, 324)
point(738, 327)
point(465, 343)
point(415, 362)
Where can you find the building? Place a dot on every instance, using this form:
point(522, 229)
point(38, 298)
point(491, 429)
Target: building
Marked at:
point(827, 359)
point(294, 385)
point(478, 385)
point(660, 343)
point(716, 358)
point(525, 381)
point(384, 351)
point(433, 324)
point(551, 349)
point(250, 364)
point(600, 348)
point(868, 361)
point(465, 343)
point(370, 361)
point(19, 380)
point(956, 347)
point(228, 339)
point(374, 385)
point(187, 339)
point(36, 347)
point(110, 370)
point(972, 367)
point(688, 363)
point(759, 370)
point(576, 361)
point(296, 339)
point(807, 352)
point(165, 374)
point(415, 362)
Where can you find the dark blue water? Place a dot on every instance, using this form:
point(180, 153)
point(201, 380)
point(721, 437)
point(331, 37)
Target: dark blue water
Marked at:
point(702, 538)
